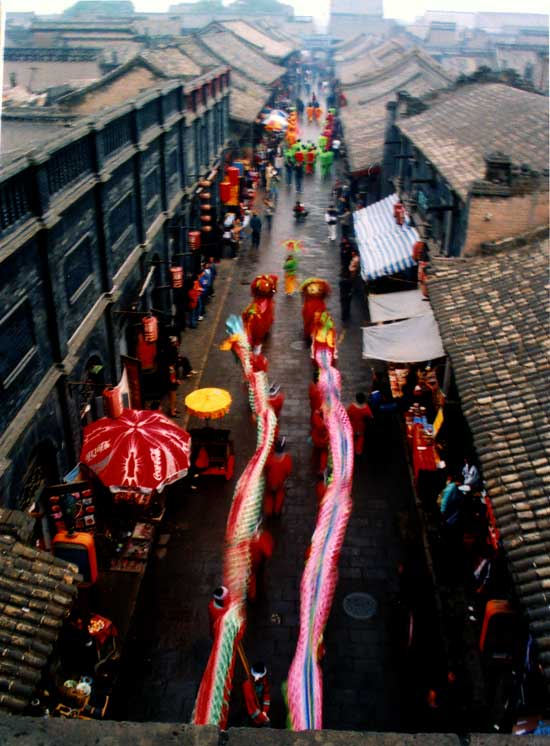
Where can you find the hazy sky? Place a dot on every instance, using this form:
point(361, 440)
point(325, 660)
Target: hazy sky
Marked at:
point(392, 8)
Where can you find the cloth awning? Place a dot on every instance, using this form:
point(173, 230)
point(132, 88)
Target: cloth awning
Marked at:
point(402, 305)
point(384, 246)
point(410, 341)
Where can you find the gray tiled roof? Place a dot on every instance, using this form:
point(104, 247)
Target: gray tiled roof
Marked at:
point(273, 48)
point(37, 592)
point(461, 126)
point(247, 99)
point(197, 52)
point(363, 120)
point(172, 62)
point(235, 52)
point(353, 71)
point(493, 319)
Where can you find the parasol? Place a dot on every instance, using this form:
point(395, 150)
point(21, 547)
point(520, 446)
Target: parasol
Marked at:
point(276, 120)
point(208, 404)
point(140, 451)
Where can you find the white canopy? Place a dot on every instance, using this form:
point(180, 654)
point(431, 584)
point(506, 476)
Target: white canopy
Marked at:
point(384, 246)
point(410, 341)
point(402, 305)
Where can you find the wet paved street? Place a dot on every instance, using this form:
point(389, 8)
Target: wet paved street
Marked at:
point(365, 683)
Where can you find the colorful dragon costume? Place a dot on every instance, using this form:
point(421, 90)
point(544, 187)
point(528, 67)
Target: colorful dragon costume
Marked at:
point(212, 704)
point(305, 683)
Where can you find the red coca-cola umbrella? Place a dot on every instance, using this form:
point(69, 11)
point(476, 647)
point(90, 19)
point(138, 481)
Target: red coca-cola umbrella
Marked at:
point(140, 451)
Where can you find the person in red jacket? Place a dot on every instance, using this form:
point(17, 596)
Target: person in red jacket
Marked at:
point(359, 414)
point(277, 470)
point(256, 692)
point(217, 607)
point(261, 549)
point(320, 440)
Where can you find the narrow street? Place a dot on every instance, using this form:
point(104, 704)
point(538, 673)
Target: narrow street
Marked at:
point(369, 683)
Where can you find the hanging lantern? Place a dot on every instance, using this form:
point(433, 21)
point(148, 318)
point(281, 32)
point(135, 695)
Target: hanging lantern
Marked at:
point(206, 228)
point(112, 402)
point(206, 207)
point(205, 218)
point(194, 240)
point(233, 174)
point(225, 191)
point(176, 277)
point(150, 328)
point(205, 183)
point(205, 196)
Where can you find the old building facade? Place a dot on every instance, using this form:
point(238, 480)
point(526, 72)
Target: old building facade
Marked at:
point(471, 164)
point(90, 225)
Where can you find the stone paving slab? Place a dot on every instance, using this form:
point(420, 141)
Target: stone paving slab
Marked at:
point(267, 737)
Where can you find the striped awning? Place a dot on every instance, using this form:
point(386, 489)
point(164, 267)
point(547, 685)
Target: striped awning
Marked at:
point(384, 246)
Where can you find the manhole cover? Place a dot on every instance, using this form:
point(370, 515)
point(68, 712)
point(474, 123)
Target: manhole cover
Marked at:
point(360, 605)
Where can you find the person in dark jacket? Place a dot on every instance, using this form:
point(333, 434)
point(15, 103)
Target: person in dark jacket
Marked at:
point(256, 228)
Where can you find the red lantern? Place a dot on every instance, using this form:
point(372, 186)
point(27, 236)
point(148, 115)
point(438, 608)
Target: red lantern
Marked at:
point(205, 218)
point(150, 328)
point(112, 402)
point(206, 228)
point(205, 183)
point(205, 196)
point(206, 207)
point(233, 174)
point(194, 240)
point(225, 191)
point(176, 277)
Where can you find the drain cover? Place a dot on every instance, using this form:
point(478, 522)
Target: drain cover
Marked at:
point(360, 605)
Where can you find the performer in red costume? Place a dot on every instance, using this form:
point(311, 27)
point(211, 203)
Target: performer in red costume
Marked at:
point(359, 413)
point(256, 692)
point(258, 315)
point(261, 549)
point(314, 291)
point(277, 470)
point(320, 440)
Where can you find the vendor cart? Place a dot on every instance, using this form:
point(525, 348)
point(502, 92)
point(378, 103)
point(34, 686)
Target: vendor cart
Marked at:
point(212, 451)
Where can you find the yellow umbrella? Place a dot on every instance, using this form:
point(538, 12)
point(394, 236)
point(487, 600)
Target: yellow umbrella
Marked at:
point(208, 404)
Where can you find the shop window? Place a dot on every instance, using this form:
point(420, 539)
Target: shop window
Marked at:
point(91, 389)
point(17, 341)
point(151, 187)
point(120, 218)
point(41, 471)
point(77, 268)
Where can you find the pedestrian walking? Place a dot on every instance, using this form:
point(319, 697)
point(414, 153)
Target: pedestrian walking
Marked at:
point(331, 218)
point(290, 268)
point(299, 175)
point(354, 265)
point(269, 209)
point(346, 292)
point(345, 223)
point(336, 147)
point(289, 165)
point(256, 227)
